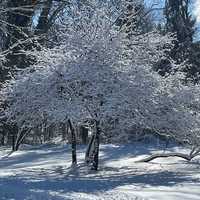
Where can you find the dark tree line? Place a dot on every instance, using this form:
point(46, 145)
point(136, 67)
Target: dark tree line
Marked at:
point(25, 26)
point(180, 21)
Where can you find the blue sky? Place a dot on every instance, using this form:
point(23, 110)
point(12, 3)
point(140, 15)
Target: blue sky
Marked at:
point(197, 10)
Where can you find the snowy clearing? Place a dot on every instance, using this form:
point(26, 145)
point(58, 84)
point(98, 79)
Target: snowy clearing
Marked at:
point(44, 173)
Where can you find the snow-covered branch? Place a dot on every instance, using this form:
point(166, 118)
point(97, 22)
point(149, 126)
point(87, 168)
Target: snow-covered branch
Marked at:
point(101, 73)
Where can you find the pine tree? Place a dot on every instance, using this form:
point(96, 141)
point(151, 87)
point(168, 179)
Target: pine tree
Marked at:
point(180, 21)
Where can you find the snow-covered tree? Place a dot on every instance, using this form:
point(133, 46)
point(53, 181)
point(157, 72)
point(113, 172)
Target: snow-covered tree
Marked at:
point(102, 57)
point(100, 75)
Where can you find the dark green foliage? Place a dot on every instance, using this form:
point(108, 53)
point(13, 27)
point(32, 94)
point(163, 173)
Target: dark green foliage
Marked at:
point(180, 21)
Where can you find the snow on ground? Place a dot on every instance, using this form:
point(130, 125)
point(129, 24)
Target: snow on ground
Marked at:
point(44, 173)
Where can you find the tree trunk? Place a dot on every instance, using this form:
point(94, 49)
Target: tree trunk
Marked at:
point(13, 142)
point(84, 134)
point(14, 131)
point(95, 153)
point(3, 139)
point(92, 152)
point(20, 138)
point(73, 136)
point(88, 150)
point(64, 131)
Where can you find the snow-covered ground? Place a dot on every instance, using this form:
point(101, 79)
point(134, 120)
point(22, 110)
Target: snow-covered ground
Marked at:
point(44, 173)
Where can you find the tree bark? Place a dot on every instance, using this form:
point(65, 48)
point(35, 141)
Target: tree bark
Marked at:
point(92, 152)
point(13, 132)
point(95, 153)
point(84, 134)
point(63, 130)
point(20, 138)
point(88, 150)
point(74, 159)
point(3, 139)
point(13, 142)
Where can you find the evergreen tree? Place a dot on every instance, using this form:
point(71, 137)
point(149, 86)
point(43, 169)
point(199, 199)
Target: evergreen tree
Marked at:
point(180, 21)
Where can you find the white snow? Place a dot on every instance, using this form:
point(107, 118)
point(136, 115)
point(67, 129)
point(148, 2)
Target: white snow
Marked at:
point(44, 173)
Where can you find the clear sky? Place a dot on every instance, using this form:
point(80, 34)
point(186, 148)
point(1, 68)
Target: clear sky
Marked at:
point(197, 10)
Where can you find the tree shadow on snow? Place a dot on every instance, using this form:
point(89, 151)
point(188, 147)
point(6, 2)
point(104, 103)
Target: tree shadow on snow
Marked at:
point(100, 182)
point(45, 183)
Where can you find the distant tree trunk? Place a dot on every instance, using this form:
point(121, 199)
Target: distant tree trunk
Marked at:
point(50, 132)
point(3, 138)
point(18, 142)
point(95, 162)
point(38, 132)
point(13, 132)
point(13, 142)
point(84, 134)
point(47, 131)
point(73, 136)
point(20, 138)
point(64, 131)
point(35, 135)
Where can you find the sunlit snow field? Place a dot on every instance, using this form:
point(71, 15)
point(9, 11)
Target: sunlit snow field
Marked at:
point(44, 173)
